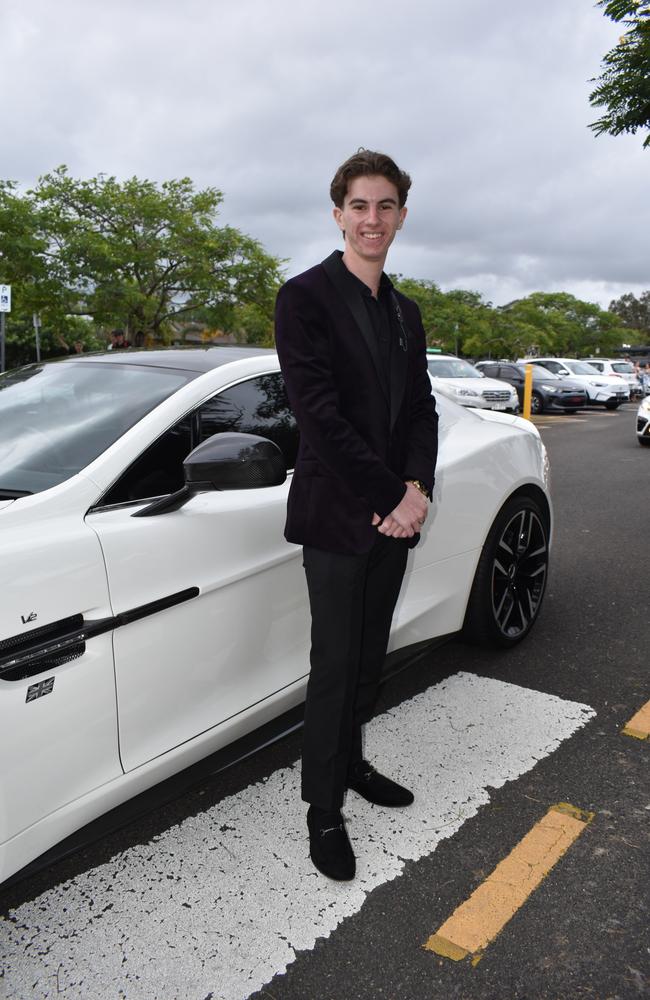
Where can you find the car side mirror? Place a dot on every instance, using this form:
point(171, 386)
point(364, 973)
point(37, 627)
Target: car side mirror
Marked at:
point(225, 461)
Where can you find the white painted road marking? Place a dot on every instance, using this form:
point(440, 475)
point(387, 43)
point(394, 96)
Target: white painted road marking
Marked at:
point(216, 906)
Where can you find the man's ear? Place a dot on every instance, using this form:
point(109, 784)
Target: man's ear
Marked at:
point(402, 216)
point(338, 218)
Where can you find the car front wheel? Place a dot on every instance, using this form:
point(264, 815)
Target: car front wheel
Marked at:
point(510, 578)
point(611, 404)
point(536, 403)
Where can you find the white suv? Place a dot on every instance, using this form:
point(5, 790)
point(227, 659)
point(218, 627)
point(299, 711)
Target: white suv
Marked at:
point(463, 383)
point(606, 390)
point(615, 366)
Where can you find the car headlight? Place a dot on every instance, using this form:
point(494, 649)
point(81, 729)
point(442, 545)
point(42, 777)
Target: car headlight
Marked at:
point(599, 385)
point(549, 388)
point(645, 405)
point(465, 392)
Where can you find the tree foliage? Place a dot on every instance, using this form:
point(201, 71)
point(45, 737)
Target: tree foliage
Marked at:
point(130, 254)
point(564, 325)
point(623, 88)
point(633, 312)
point(452, 320)
point(460, 322)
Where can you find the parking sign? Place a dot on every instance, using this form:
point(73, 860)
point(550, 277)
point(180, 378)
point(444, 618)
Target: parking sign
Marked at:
point(5, 298)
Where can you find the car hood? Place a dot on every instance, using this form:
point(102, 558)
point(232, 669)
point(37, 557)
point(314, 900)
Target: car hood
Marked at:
point(496, 417)
point(477, 384)
point(562, 383)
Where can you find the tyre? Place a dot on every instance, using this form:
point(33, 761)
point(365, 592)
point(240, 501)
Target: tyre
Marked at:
point(644, 441)
point(510, 578)
point(536, 403)
point(612, 404)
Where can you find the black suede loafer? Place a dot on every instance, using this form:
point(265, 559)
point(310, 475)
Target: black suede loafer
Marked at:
point(329, 847)
point(376, 788)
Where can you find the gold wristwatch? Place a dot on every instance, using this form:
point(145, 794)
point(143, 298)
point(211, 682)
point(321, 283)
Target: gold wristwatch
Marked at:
point(419, 486)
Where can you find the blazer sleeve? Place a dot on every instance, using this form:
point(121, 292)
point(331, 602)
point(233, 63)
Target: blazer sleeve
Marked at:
point(423, 428)
point(303, 346)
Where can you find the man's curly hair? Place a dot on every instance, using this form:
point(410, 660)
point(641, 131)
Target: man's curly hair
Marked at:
point(366, 163)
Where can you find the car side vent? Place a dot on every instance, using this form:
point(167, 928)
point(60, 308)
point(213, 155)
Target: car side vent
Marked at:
point(43, 642)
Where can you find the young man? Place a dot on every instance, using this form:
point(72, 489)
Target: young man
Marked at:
point(352, 352)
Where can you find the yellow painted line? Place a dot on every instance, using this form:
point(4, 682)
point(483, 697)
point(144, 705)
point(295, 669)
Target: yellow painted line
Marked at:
point(480, 918)
point(639, 724)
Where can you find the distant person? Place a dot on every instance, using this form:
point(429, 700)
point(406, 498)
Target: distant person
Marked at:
point(78, 346)
point(118, 341)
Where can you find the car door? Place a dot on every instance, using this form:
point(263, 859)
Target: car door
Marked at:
point(511, 374)
point(213, 596)
point(58, 721)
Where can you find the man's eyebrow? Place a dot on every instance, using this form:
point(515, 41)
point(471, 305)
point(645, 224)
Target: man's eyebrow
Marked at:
point(381, 201)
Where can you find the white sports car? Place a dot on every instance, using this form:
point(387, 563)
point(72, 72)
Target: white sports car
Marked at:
point(152, 612)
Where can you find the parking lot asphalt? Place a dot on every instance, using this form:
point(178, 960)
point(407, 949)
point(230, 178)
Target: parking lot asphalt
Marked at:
point(559, 704)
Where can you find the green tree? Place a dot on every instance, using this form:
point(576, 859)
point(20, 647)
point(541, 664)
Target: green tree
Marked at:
point(564, 325)
point(633, 312)
point(623, 88)
point(132, 254)
point(455, 321)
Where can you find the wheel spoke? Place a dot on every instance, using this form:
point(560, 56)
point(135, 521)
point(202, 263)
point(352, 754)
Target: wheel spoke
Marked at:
point(502, 569)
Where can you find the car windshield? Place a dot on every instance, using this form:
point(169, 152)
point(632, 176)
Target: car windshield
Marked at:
point(451, 368)
point(579, 367)
point(57, 418)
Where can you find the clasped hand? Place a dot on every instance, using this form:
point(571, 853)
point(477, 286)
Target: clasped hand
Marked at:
point(407, 518)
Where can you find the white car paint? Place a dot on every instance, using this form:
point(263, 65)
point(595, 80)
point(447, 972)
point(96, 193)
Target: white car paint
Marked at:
point(154, 696)
point(231, 888)
point(619, 368)
point(601, 388)
point(643, 422)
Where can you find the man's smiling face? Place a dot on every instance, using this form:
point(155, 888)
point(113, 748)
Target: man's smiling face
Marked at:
point(370, 217)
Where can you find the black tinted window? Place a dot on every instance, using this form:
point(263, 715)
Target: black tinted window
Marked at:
point(257, 406)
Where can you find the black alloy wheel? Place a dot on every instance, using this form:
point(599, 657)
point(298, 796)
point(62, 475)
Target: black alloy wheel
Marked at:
point(612, 404)
point(536, 403)
point(510, 578)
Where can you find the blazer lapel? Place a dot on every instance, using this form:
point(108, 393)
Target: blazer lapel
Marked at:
point(333, 265)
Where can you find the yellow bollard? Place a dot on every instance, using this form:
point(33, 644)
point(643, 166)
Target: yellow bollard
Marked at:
point(528, 391)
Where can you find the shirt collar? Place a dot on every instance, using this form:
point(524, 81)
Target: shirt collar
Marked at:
point(385, 284)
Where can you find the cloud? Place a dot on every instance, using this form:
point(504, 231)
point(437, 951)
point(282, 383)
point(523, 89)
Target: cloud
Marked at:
point(485, 105)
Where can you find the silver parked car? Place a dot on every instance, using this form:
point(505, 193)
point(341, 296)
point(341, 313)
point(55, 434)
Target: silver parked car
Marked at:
point(465, 384)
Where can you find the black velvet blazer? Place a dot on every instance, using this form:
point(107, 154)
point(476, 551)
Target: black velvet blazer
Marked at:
point(358, 442)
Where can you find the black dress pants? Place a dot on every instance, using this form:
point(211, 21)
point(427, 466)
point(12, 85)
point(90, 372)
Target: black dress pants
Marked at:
point(352, 599)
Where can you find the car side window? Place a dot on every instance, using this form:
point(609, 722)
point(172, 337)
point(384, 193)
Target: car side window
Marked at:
point(552, 366)
point(157, 471)
point(256, 406)
point(491, 371)
point(509, 371)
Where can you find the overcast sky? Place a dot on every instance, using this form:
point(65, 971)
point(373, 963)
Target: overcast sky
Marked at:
point(484, 103)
